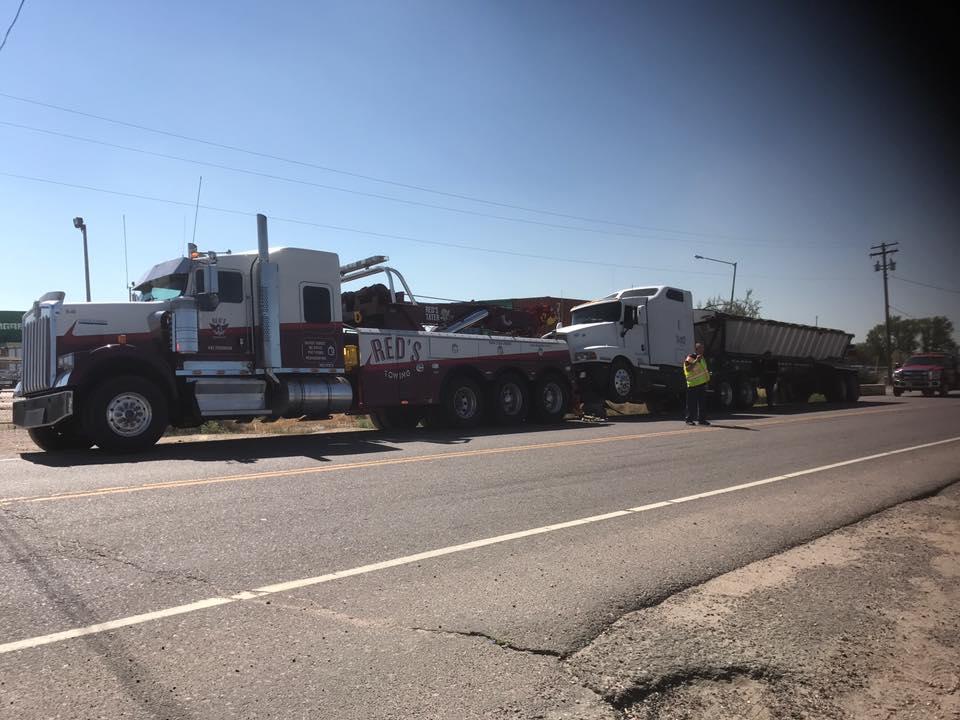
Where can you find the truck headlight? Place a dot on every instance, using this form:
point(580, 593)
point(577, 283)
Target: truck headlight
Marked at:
point(583, 355)
point(65, 362)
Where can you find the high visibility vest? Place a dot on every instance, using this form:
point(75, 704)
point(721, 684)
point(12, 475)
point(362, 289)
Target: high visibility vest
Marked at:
point(696, 373)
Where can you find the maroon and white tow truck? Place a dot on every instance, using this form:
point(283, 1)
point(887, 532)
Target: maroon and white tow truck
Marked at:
point(263, 334)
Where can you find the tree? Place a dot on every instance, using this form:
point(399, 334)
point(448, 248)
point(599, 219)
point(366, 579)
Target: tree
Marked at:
point(747, 306)
point(903, 340)
point(936, 334)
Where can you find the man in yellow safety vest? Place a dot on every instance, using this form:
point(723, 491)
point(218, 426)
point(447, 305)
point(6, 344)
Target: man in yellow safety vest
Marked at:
point(697, 376)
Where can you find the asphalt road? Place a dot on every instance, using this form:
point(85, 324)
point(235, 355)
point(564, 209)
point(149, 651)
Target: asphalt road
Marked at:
point(357, 575)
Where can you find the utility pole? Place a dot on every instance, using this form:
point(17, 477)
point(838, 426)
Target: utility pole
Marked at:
point(882, 251)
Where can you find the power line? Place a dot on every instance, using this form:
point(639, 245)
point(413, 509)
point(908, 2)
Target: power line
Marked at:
point(12, 23)
point(915, 282)
point(404, 201)
point(341, 228)
point(361, 176)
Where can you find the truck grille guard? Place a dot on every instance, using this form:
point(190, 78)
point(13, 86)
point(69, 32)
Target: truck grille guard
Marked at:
point(40, 344)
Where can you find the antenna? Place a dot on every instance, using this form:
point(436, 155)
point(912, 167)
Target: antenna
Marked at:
point(126, 266)
point(196, 211)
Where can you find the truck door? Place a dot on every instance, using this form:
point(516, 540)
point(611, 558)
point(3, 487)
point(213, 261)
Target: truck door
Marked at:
point(635, 333)
point(224, 333)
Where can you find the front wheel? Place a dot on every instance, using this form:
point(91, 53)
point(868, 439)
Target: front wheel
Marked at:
point(620, 384)
point(125, 414)
point(897, 392)
point(396, 418)
point(62, 437)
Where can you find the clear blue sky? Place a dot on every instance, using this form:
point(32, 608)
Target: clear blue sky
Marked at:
point(745, 132)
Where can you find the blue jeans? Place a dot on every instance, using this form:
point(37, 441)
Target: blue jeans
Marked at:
point(696, 399)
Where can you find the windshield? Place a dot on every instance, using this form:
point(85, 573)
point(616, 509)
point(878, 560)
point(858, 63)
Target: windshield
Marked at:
point(603, 312)
point(162, 288)
point(925, 361)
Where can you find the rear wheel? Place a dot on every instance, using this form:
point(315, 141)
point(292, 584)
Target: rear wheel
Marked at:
point(462, 403)
point(125, 414)
point(836, 390)
point(620, 384)
point(853, 388)
point(726, 397)
point(746, 394)
point(62, 437)
point(551, 399)
point(510, 400)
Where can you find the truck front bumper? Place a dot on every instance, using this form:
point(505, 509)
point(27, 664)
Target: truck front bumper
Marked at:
point(42, 410)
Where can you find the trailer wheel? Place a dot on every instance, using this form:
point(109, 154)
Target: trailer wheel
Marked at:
point(125, 414)
point(510, 399)
point(725, 395)
point(853, 388)
point(62, 437)
point(836, 391)
point(462, 403)
point(620, 383)
point(897, 392)
point(927, 392)
point(746, 394)
point(944, 387)
point(551, 399)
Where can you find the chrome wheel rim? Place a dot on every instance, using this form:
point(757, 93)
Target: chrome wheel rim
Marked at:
point(621, 382)
point(129, 414)
point(465, 403)
point(726, 395)
point(552, 398)
point(511, 399)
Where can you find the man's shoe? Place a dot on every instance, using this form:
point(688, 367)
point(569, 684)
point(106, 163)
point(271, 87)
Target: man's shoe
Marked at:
point(702, 422)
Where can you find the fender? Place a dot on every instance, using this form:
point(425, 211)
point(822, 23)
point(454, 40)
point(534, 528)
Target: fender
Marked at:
point(115, 358)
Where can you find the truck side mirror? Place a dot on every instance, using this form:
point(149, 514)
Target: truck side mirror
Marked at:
point(208, 301)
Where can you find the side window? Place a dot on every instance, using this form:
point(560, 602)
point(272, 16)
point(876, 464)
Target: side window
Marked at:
point(316, 304)
point(675, 294)
point(231, 286)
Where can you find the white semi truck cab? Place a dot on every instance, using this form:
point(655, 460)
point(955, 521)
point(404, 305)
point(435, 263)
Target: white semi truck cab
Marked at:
point(630, 345)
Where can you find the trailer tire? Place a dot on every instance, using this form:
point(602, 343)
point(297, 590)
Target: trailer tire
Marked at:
point(944, 387)
point(746, 394)
point(853, 388)
point(62, 437)
point(125, 414)
point(509, 399)
point(836, 391)
point(620, 384)
point(462, 403)
point(551, 399)
point(897, 392)
point(726, 397)
point(927, 392)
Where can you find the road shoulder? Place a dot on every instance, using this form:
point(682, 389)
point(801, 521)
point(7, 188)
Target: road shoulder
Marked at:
point(864, 622)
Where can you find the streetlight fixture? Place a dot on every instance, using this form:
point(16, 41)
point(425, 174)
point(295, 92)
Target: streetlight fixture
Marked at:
point(82, 227)
point(725, 262)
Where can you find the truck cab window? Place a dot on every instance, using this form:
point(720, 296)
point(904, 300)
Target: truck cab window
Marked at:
point(162, 288)
point(316, 304)
point(230, 285)
point(675, 294)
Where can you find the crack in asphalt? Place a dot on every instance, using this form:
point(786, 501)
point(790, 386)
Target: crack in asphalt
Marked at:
point(505, 644)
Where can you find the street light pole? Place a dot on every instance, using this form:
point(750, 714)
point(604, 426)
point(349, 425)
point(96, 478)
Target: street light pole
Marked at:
point(733, 288)
point(82, 226)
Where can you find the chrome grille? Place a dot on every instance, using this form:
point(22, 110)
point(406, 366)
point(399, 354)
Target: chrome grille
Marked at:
point(39, 344)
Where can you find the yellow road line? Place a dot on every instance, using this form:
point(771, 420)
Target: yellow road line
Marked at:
point(337, 467)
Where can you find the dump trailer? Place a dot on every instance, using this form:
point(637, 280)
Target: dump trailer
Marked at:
point(792, 361)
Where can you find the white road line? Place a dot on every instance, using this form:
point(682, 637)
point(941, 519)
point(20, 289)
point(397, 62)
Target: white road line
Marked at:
point(8, 459)
point(440, 552)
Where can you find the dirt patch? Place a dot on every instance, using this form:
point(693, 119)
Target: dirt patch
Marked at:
point(862, 623)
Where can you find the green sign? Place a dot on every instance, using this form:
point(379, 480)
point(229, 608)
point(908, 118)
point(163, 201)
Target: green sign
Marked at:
point(11, 329)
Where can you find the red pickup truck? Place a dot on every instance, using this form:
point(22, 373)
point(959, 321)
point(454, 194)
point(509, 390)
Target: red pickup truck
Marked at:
point(929, 373)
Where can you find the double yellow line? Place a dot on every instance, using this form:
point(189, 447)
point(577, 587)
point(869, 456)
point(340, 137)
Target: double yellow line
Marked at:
point(343, 467)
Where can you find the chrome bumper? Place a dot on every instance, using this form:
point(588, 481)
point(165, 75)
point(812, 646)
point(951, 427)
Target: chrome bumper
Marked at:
point(42, 410)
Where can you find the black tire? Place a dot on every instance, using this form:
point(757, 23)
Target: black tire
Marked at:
point(509, 399)
point(746, 394)
point(551, 399)
point(726, 395)
point(853, 388)
point(63, 437)
point(944, 389)
point(461, 406)
point(836, 390)
point(125, 414)
point(897, 392)
point(396, 418)
point(927, 392)
point(620, 383)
